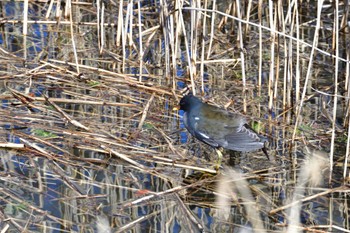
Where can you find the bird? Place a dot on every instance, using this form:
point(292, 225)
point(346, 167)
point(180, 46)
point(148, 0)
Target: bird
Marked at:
point(219, 128)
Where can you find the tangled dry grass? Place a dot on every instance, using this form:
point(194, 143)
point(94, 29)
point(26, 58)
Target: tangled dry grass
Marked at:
point(91, 140)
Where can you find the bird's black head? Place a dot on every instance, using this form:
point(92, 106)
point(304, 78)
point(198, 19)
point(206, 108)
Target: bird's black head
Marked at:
point(188, 101)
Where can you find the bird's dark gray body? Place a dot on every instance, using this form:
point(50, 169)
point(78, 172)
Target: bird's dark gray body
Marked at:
point(218, 127)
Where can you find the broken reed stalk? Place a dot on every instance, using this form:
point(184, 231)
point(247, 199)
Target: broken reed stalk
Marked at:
point(272, 23)
point(203, 45)
point(25, 28)
point(346, 170)
point(309, 69)
point(279, 20)
point(74, 47)
point(335, 98)
point(260, 62)
point(243, 69)
point(328, 191)
point(141, 52)
point(297, 68)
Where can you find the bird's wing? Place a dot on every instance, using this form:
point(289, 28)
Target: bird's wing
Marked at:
point(244, 139)
point(218, 127)
point(209, 124)
point(194, 125)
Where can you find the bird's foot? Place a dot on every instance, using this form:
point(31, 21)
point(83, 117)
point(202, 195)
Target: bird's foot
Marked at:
point(218, 162)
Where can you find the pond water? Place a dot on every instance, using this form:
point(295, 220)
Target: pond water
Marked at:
point(101, 146)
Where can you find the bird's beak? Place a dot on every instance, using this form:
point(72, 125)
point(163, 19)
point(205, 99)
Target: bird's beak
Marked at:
point(176, 108)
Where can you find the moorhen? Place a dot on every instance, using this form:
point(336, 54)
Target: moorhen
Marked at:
point(218, 127)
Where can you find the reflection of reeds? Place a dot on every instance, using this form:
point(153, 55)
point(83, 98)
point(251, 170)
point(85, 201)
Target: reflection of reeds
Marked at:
point(233, 184)
point(88, 90)
point(310, 177)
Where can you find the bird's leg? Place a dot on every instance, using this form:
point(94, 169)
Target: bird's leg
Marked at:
point(219, 152)
point(265, 152)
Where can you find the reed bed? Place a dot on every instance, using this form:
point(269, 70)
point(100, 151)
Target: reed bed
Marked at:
point(92, 141)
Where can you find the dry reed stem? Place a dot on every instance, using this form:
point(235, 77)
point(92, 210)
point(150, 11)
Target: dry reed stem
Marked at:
point(25, 28)
point(335, 99)
point(10, 145)
point(140, 220)
point(240, 38)
point(113, 91)
point(342, 229)
point(69, 11)
point(346, 168)
point(145, 111)
point(309, 69)
point(126, 78)
point(173, 164)
point(328, 191)
point(77, 101)
point(66, 116)
point(168, 140)
point(124, 157)
point(302, 42)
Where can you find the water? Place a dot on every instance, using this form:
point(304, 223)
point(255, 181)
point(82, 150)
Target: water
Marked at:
point(109, 173)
